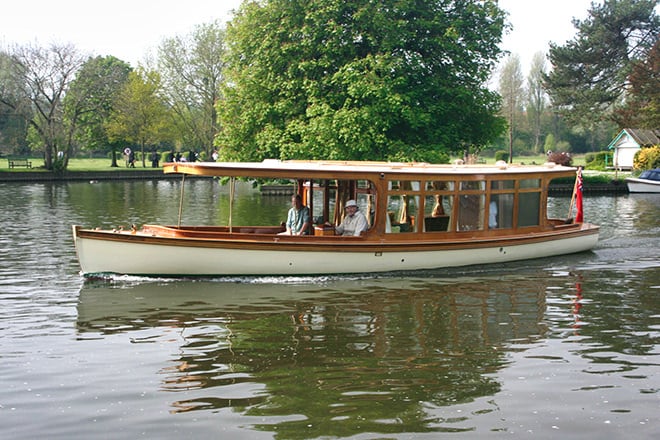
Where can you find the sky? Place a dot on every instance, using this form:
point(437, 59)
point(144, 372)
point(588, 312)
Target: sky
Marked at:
point(131, 29)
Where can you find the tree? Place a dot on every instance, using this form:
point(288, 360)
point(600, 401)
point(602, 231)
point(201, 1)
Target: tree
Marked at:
point(536, 100)
point(511, 89)
point(40, 78)
point(139, 115)
point(642, 108)
point(192, 71)
point(13, 125)
point(330, 79)
point(590, 73)
point(89, 102)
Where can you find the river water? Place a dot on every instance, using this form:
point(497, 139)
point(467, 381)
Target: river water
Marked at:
point(566, 347)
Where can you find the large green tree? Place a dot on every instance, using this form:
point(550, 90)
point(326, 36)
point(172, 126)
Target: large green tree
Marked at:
point(89, 102)
point(590, 75)
point(192, 67)
point(365, 79)
point(139, 114)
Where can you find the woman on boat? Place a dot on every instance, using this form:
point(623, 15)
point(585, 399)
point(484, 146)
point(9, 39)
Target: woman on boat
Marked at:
point(298, 221)
point(354, 222)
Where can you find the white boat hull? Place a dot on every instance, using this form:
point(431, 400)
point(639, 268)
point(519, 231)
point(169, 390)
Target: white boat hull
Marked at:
point(642, 185)
point(141, 257)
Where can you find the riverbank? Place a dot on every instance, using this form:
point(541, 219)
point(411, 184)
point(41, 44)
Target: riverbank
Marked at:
point(116, 174)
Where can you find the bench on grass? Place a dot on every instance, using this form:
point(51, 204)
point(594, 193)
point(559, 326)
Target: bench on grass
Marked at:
point(19, 162)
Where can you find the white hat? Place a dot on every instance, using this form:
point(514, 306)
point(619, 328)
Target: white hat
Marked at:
point(351, 203)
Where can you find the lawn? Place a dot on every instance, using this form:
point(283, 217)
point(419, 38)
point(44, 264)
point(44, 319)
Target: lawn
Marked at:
point(81, 164)
point(103, 164)
point(538, 159)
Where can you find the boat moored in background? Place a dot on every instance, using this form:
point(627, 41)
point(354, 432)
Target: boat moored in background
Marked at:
point(647, 182)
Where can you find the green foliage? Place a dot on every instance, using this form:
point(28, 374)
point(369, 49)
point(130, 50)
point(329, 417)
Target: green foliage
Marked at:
point(647, 158)
point(139, 116)
point(192, 69)
point(330, 79)
point(59, 165)
point(598, 161)
point(502, 155)
point(550, 143)
point(591, 71)
point(90, 99)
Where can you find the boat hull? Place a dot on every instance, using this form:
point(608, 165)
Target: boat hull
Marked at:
point(126, 253)
point(642, 185)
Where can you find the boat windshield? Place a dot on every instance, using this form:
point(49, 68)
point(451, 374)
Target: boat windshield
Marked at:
point(651, 175)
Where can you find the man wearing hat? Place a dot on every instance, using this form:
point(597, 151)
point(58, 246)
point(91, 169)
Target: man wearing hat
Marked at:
point(354, 222)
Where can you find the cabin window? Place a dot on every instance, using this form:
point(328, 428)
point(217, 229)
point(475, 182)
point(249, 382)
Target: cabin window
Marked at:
point(366, 203)
point(500, 211)
point(439, 185)
point(329, 196)
point(473, 185)
point(502, 184)
point(437, 212)
point(471, 212)
point(529, 205)
point(402, 213)
point(403, 185)
point(530, 183)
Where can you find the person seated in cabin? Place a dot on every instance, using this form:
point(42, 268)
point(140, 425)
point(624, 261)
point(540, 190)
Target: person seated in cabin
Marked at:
point(354, 223)
point(298, 221)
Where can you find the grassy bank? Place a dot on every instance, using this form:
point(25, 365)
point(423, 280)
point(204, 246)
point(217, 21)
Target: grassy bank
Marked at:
point(80, 164)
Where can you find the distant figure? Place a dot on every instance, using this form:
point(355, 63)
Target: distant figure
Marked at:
point(354, 222)
point(170, 156)
point(177, 158)
point(154, 159)
point(192, 156)
point(298, 221)
point(131, 158)
point(127, 155)
point(215, 155)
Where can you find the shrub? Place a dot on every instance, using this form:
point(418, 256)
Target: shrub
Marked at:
point(502, 155)
point(597, 161)
point(560, 158)
point(647, 158)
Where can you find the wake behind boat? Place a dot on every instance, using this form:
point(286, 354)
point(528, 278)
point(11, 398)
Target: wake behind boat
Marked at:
point(419, 216)
point(647, 182)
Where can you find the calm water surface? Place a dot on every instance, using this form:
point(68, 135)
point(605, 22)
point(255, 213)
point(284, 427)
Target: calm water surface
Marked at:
point(567, 347)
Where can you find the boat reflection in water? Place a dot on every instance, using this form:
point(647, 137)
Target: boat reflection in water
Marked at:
point(367, 352)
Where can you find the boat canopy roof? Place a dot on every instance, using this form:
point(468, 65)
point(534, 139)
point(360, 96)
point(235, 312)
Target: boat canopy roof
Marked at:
point(323, 169)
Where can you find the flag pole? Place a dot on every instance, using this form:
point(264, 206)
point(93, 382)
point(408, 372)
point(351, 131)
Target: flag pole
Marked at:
point(575, 185)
